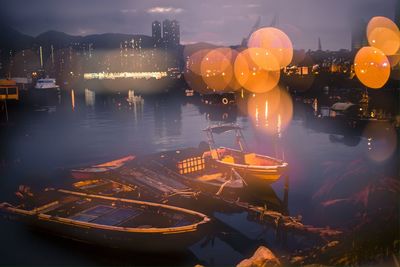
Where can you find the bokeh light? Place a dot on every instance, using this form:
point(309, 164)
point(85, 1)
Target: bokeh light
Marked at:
point(382, 140)
point(251, 76)
point(372, 67)
point(381, 22)
point(275, 41)
point(216, 68)
point(387, 40)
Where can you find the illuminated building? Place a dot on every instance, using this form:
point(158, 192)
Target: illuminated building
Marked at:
point(156, 33)
point(171, 33)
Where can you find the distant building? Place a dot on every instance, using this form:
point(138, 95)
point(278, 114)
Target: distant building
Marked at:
point(171, 33)
point(156, 33)
point(358, 35)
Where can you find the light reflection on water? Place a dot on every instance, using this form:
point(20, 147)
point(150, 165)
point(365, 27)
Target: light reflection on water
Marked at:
point(101, 128)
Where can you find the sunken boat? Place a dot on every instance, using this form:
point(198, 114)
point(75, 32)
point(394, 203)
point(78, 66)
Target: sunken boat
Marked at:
point(109, 221)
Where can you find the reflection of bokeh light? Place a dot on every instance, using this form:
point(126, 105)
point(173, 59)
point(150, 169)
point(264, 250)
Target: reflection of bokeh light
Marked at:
point(275, 41)
point(216, 69)
point(387, 40)
point(382, 140)
point(271, 111)
point(251, 76)
point(372, 67)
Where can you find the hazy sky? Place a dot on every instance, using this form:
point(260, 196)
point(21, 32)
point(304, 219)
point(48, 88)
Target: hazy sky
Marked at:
point(218, 21)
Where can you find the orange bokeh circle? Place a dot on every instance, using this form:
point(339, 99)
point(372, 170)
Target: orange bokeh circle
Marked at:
point(372, 67)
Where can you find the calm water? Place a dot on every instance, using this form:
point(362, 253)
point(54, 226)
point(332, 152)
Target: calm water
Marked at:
point(38, 146)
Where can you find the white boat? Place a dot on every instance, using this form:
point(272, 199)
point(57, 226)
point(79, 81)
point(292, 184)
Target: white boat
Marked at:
point(47, 83)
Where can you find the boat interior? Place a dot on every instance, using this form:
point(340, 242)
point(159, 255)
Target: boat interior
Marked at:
point(110, 213)
point(234, 156)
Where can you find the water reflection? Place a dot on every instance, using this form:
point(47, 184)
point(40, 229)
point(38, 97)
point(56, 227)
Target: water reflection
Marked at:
point(90, 97)
point(328, 164)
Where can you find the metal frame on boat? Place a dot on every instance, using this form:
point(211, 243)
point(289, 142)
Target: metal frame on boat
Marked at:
point(255, 169)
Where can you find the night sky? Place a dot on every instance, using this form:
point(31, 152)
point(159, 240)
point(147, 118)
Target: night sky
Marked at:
point(223, 22)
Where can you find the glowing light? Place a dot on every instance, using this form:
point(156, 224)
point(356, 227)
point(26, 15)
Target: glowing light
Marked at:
point(120, 75)
point(275, 41)
point(73, 99)
point(372, 69)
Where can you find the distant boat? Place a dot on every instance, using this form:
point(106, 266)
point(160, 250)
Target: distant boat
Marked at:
point(46, 83)
point(255, 169)
point(110, 221)
point(103, 168)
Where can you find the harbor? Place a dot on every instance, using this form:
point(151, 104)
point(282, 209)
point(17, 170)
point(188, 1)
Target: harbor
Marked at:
point(280, 213)
point(167, 133)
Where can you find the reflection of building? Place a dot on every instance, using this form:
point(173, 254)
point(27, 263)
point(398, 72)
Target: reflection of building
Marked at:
point(171, 33)
point(358, 35)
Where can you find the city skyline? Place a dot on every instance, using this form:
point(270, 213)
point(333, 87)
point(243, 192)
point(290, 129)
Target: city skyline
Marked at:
point(222, 23)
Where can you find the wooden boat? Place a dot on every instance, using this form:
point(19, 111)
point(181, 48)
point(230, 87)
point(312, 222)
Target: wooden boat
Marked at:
point(104, 187)
point(255, 169)
point(100, 169)
point(190, 167)
point(110, 221)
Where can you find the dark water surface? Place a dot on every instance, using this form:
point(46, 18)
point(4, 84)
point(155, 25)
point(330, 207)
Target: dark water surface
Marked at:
point(327, 163)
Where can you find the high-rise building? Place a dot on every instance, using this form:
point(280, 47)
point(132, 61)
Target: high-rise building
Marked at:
point(156, 33)
point(171, 33)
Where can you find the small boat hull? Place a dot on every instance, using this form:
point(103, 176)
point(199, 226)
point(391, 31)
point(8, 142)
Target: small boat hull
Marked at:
point(100, 169)
point(145, 242)
point(111, 222)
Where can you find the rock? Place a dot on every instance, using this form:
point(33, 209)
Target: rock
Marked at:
point(263, 257)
